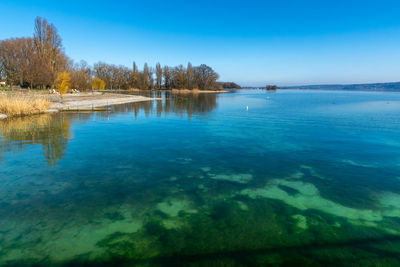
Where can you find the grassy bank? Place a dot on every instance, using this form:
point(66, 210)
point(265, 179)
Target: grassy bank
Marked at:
point(20, 105)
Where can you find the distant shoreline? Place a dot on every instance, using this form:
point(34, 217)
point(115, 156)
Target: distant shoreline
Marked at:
point(382, 87)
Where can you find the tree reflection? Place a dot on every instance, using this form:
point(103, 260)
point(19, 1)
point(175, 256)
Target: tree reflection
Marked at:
point(179, 104)
point(51, 131)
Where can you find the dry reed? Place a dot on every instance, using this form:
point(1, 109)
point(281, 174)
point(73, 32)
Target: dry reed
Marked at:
point(19, 105)
point(185, 91)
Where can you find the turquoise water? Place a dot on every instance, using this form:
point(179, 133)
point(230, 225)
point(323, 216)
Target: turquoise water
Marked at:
point(301, 177)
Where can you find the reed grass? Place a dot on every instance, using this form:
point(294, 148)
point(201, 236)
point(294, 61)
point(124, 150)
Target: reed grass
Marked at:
point(20, 105)
point(185, 91)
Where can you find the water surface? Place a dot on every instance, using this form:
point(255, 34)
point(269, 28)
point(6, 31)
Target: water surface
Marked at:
point(305, 177)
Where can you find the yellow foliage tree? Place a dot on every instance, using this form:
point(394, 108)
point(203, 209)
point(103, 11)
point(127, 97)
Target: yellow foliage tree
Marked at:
point(63, 82)
point(98, 84)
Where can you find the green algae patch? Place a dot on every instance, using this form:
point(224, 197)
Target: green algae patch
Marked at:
point(242, 205)
point(301, 221)
point(205, 169)
point(74, 239)
point(309, 198)
point(306, 196)
point(312, 172)
point(173, 207)
point(391, 204)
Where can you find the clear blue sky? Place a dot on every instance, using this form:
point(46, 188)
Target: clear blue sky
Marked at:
point(249, 42)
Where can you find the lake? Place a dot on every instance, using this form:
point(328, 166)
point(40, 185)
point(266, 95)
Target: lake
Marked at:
point(300, 177)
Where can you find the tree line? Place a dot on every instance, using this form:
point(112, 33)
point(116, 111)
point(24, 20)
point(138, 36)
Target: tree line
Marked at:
point(161, 77)
point(40, 62)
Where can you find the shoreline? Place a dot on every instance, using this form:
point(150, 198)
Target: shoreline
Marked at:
point(87, 102)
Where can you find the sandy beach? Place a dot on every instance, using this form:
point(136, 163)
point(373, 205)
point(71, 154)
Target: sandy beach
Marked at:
point(88, 101)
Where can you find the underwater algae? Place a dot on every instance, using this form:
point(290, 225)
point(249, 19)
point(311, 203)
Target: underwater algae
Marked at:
point(306, 196)
point(177, 223)
point(242, 178)
point(63, 241)
point(301, 221)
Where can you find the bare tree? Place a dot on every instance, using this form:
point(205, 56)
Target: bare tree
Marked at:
point(205, 77)
point(167, 77)
point(10, 61)
point(48, 44)
point(189, 76)
point(135, 76)
point(179, 77)
point(81, 76)
point(158, 75)
point(146, 77)
point(102, 71)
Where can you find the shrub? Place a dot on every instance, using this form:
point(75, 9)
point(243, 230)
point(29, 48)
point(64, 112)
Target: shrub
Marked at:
point(98, 84)
point(63, 82)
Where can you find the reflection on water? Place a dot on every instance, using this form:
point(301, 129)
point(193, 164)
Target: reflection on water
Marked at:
point(50, 131)
point(297, 179)
point(179, 104)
